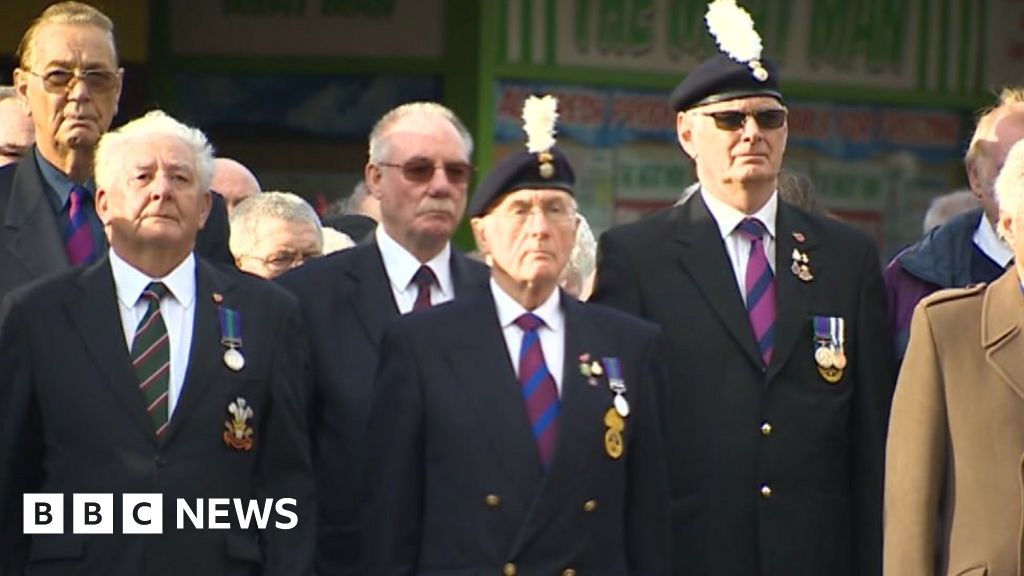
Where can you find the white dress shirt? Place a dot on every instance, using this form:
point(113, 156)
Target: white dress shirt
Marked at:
point(177, 310)
point(737, 246)
point(401, 266)
point(552, 334)
point(986, 239)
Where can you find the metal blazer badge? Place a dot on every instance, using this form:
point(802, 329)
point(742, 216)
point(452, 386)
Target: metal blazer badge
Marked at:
point(830, 347)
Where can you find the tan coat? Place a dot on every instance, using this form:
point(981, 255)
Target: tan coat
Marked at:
point(953, 486)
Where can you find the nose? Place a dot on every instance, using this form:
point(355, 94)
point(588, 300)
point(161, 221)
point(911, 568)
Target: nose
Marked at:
point(751, 129)
point(77, 88)
point(440, 185)
point(537, 222)
point(161, 187)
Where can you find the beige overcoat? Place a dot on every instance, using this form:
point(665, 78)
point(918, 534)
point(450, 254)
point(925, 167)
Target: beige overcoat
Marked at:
point(953, 489)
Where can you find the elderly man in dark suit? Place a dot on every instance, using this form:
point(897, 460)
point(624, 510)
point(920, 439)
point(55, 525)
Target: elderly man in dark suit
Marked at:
point(780, 364)
point(419, 170)
point(154, 372)
point(515, 429)
point(70, 82)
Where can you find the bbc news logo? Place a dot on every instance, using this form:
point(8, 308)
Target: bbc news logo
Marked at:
point(144, 513)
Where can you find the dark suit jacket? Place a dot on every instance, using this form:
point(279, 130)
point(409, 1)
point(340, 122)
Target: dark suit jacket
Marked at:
point(31, 241)
point(357, 226)
point(821, 454)
point(454, 479)
point(346, 301)
point(72, 420)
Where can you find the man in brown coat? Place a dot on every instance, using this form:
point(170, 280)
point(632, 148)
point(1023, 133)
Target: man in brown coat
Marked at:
point(953, 501)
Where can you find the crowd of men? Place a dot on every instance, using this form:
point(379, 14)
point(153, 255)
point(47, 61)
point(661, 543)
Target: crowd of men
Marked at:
point(725, 402)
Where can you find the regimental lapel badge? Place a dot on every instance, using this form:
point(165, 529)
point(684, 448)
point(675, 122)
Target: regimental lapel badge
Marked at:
point(230, 335)
point(801, 267)
point(799, 237)
point(829, 347)
point(237, 432)
point(587, 369)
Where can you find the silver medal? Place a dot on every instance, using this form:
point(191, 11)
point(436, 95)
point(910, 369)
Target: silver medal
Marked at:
point(621, 405)
point(233, 359)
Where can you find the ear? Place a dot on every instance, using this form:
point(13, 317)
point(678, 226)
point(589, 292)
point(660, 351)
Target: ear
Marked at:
point(1004, 228)
point(684, 132)
point(120, 83)
point(480, 235)
point(20, 79)
point(372, 175)
point(206, 200)
point(975, 177)
point(101, 203)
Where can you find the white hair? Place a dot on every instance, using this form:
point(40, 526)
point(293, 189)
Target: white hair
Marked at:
point(381, 130)
point(944, 207)
point(1010, 181)
point(248, 213)
point(335, 240)
point(155, 124)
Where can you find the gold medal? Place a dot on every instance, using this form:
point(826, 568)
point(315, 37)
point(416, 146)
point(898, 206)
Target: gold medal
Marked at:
point(613, 444)
point(840, 359)
point(613, 420)
point(831, 375)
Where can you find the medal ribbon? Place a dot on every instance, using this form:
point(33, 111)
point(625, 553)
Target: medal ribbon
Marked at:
point(614, 369)
point(230, 327)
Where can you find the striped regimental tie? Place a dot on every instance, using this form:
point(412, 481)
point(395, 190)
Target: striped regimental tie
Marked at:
point(539, 389)
point(760, 289)
point(151, 357)
point(423, 279)
point(78, 240)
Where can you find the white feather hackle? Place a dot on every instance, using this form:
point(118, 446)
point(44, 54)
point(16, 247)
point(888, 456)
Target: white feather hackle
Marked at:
point(733, 30)
point(539, 116)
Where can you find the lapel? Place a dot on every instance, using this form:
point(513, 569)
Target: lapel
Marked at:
point(93, 309)
point(205, 353)
point(36, 241)
point(1001, 329)
point(697, 245)
point(482, 367)
point(582, 412)
point(374, 302)
point(793, 295)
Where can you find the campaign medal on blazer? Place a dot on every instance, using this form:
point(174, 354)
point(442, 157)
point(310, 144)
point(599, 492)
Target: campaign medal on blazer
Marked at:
point(237, 432)
point(231, 336)
point(590, 369)
point(801, 267)
point(829, 347)
point(615, 417)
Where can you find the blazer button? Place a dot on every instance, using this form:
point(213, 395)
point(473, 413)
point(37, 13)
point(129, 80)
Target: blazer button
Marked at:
point(766, 491)
point(492, 500)
point(766, 429)
point(509, 569)
point(590, 505)
point(568, 572)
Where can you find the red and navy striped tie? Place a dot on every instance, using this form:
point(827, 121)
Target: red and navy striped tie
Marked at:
point(151, 357)
point(760, 289)
point(538, 387)
point(78, 240)
point(423, 279)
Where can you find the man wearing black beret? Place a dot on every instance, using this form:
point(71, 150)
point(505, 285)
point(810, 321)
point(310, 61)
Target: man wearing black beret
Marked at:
point(779, 362)
point(515, 429)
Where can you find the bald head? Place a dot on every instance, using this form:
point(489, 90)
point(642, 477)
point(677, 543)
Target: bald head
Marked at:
point(16, 130)
point(233, 181)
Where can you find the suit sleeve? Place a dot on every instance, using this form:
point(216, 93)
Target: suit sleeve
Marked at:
point(21, 450)
point(616, 283)
point(647, 507)
point(285, 469)
point(916, 457)
point(393, 487)
point(873, 386)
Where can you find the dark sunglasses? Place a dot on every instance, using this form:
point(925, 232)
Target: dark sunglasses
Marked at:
point(421, 170)
point(732, 120)
point(59, 80)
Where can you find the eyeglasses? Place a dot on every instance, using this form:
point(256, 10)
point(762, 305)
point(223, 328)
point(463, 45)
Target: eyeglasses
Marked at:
point(557, 213)
point(59, 80)
point(284, 260)
point(732, 120)
point(421, 170)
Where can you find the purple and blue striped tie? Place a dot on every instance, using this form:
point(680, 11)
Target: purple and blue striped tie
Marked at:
point(538, 387)
point(78, 240)
point(760, 289)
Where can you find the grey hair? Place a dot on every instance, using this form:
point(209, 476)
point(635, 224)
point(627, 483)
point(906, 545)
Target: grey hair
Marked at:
point(77, 13)
point(248, 213)
point(1008, 97)
point(944, 207)
point(583, 258)
point(378, 151)
point(157, 123)
point(359, 194)
point(1009, 184)
point(7, 92)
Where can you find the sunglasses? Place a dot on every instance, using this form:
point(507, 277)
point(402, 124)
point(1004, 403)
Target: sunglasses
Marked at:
point(59, 80)
point(732, 120)
point(421, 170)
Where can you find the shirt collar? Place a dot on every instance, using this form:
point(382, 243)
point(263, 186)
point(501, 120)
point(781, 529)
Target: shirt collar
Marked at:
point(986, 239)
point(130, 281)
point(401, 265)
point(728, 218)
point(58, 182)
point(509, 310)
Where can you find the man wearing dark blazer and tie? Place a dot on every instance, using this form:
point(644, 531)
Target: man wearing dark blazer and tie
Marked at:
point(780, 365)
point(419, 170)
point(154, 372)
point(69, 81)
point(515, 429)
